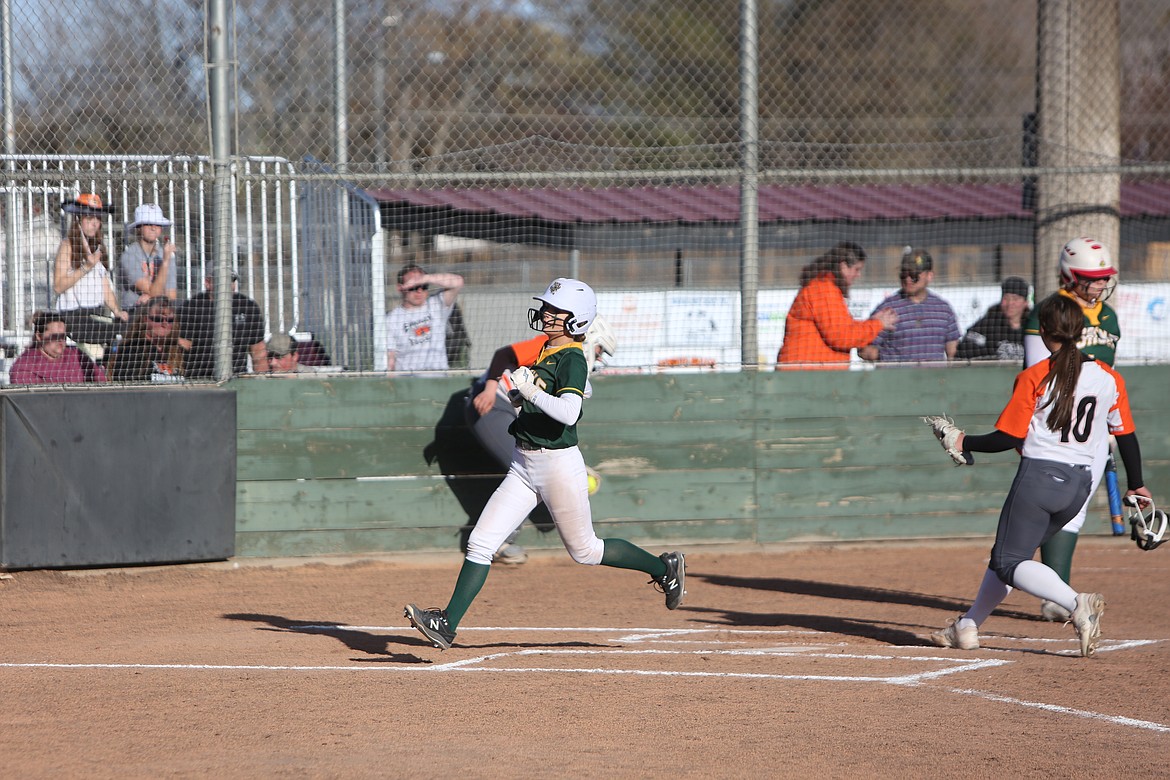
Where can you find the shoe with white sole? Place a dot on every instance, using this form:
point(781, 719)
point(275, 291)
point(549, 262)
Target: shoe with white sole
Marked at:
point(954, 636)
point(1086, 619)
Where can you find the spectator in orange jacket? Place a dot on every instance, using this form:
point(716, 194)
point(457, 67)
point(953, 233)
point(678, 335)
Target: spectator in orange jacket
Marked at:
point(819, 331)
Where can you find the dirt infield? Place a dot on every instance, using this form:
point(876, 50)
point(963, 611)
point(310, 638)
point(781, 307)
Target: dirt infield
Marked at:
point(803, 662)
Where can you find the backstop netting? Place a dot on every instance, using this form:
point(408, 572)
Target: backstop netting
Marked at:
point(626, 144)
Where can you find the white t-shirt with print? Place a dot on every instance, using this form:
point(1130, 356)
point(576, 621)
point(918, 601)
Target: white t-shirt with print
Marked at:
point(418, 337)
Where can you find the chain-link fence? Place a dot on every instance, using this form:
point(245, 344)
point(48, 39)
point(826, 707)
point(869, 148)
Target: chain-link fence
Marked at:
point(848, 83)
point(509, 143)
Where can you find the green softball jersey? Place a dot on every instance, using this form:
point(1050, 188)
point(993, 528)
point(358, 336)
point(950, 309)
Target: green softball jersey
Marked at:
point(1101, 333)
point(559, 370)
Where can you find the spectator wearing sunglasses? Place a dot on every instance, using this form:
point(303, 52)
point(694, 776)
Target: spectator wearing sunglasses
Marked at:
point(416, 331)
point(50, 360)
point(151, 351)
point(927, 330)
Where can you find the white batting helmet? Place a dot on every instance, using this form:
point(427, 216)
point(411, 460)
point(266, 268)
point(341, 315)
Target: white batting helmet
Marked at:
point(1085, 258)
point(572, 296)
point(599, 336)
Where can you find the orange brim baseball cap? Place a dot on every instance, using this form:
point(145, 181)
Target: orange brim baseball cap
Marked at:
point(88, 204)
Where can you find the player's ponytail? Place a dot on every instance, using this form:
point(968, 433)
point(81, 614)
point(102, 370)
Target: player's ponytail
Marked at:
point(1061, 321)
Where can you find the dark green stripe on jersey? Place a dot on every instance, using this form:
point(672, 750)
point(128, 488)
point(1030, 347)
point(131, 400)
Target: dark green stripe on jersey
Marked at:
point(559, 370)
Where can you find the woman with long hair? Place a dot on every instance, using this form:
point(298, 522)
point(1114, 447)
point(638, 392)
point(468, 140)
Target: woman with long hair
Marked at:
point(151, 351)
point(1061, 411)
point(819, 331)
point(81, 275)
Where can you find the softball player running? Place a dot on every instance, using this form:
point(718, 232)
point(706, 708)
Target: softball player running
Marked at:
point(489, 411)
point(1087, 277)
point(1060, 416)
point(547, 466)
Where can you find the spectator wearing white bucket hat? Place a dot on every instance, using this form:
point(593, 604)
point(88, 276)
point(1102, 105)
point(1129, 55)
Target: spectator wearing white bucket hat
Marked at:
point(147, 267)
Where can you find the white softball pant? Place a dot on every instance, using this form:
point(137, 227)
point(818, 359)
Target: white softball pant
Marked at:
point(556, 477)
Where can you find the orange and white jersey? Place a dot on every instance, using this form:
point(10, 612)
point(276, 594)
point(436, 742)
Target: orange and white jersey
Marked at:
point(1101, 408)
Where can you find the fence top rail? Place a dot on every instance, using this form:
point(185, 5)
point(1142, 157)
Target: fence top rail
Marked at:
point(102, 167)
point(120, 158)
point(52, 169)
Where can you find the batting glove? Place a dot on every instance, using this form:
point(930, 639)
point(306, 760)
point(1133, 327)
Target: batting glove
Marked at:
point(524, 380)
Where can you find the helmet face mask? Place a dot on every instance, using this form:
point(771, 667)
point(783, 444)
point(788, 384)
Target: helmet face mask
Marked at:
point(1148, 524)
point(1081, 286)
point(536, 316)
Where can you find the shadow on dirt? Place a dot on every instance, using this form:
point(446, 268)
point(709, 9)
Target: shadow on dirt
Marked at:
point(507, 646)
point(359, 641)
point(470, 471)
point(889, 633)
point(834, 590)
point(379, 645)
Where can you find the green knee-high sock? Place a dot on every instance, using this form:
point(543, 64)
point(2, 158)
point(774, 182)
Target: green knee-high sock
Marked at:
point(621, 554)
point(1057, 553)
point(471, 578)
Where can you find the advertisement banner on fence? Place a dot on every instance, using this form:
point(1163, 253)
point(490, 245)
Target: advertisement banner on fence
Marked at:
point(702, 328)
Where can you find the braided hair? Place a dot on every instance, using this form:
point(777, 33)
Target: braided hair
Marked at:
point(1061, 321)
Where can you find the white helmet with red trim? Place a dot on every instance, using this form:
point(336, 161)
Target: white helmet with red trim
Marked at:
point(1085, 258)
point(572, 296)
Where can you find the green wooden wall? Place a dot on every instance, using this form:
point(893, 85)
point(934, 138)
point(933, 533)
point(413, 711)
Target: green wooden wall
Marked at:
point(376, 464)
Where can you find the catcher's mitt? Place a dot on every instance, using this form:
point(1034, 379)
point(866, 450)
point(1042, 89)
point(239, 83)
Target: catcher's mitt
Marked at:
point(948, 434)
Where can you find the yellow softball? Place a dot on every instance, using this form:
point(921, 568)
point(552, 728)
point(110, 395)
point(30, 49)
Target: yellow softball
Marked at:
point(594, 480)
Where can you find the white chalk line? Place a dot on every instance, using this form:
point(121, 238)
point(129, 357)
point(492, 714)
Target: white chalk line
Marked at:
point(672, 634)
point(572, 629)
point(476, 664)
point(1119, 720)
point(1106, 646)
point(479, 663)
point(198, 667)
